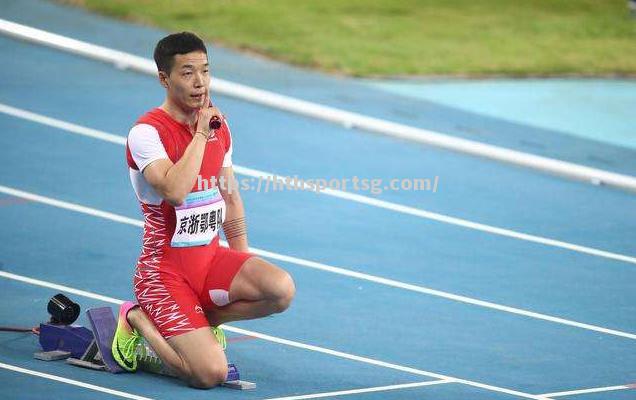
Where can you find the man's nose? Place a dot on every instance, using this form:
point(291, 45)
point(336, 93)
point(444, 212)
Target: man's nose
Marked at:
point(199, 79)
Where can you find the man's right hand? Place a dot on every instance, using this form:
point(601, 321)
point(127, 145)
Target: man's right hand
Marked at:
point(204, 116)
point(173, 182)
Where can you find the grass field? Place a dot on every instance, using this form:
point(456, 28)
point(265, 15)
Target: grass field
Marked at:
point(409, 37)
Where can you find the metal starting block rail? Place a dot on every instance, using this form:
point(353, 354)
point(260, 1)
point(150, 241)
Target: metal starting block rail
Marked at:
point(83, 348)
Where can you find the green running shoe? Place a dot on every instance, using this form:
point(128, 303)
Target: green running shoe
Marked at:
point(126, 340)
point(220, 336)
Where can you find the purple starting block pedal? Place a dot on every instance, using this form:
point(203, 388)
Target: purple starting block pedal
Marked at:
point(104, 324)
point(234, 381)
point(232, 373)
point(72, 338)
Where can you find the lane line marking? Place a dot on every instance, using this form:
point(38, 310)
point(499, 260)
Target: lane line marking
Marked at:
point(328, 268)
point(416, 212)
point(591, 390)
point(365, 390)
point(72, 382)
point(348, 119)
point(291, 343)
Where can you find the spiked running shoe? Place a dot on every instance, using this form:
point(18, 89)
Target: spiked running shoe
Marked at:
point(126, 340)
point(220, 336)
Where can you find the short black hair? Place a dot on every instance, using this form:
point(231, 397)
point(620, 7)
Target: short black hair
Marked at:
point(176, 43)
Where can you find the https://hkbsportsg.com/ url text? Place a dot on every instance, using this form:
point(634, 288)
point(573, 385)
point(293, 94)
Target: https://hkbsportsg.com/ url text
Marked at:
point(275, 183)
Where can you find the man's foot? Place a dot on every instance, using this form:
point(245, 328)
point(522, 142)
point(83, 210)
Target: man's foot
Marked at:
point(149, 361)
point(220, 336)
point(125, 340)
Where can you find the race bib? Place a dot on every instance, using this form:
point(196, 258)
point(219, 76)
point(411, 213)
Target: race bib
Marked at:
point(199, 219)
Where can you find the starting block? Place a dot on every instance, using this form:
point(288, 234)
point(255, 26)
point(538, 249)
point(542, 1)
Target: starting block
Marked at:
point(234, 381)
point(52, 355)
point(70, 338)
point(83, 348)
point(104, 324)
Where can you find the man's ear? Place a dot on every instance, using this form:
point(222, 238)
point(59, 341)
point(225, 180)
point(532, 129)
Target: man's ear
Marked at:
point(163, 79)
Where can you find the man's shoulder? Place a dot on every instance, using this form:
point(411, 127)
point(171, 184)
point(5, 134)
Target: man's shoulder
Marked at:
point(156, 122)
point(153, 118)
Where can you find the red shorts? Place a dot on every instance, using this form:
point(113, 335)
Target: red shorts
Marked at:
point(176, 286)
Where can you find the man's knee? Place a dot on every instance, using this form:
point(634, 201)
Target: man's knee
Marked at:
point(208, 376)
point(286, 290)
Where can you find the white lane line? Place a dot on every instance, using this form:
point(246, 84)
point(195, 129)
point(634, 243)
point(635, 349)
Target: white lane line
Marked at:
point(591, 390)
point(72, 382)
point(291, 343)
point(445, 295)
point(328, 268)
point(63, 125)
point(348, 119)
point(365, 390)
point(62, 288)
point(416, 212)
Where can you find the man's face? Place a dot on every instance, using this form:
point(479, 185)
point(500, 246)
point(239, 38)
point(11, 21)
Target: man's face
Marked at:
point(189, 80)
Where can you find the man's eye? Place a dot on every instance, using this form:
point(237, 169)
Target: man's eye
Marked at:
point(187, 73)
point(205, 71)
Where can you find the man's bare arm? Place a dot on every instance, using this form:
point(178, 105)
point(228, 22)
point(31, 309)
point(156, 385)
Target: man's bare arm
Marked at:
point(173, 181)
point(234, 227)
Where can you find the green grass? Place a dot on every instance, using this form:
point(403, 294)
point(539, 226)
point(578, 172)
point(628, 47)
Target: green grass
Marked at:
point(408, 37)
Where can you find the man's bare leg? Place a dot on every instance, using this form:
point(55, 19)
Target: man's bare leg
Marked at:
point(258, 290)
point(196, 357)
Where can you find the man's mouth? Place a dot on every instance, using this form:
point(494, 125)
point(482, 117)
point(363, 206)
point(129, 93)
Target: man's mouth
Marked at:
point(198, 97)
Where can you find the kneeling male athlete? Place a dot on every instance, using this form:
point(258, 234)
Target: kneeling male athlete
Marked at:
point(185, 283)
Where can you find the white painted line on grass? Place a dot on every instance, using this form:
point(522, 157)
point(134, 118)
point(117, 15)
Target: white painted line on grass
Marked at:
point(416, 212)
point(291, 343)
point(72, 382)
point(364, 390)
point(348, 119)
point(328, 268)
